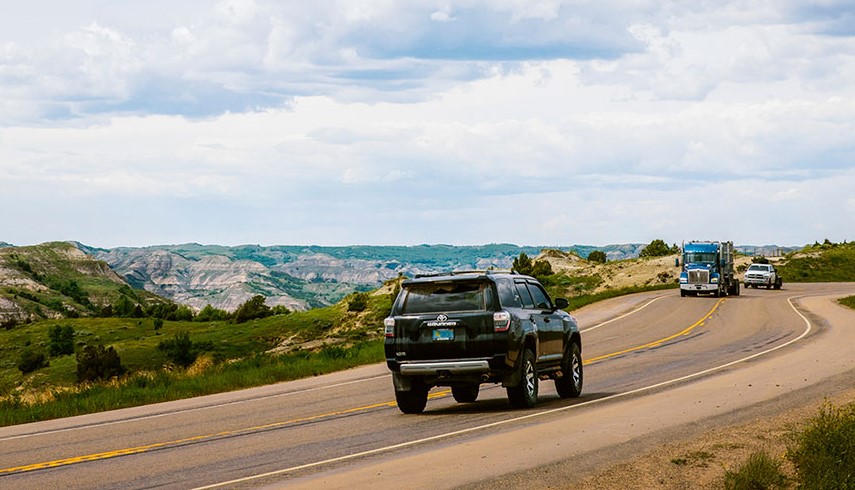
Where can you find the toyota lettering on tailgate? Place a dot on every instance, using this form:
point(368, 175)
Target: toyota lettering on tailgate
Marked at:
point(442, 321)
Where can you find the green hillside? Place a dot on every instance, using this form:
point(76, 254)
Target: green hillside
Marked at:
point(231, 355)
point(58, 280)
point(821, 262)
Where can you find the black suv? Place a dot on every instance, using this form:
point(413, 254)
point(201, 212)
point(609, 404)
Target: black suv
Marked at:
point(462, 329)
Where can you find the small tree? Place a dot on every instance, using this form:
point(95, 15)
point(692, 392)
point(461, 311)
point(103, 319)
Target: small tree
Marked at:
point(123, 307)
point(522, 264)
point(97, 362)
point(597, 256)
point(60, 340)
point(658, 248)
point(31, 360)
point(252, 309)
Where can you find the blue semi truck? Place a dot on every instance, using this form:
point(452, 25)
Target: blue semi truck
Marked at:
point(708, 269)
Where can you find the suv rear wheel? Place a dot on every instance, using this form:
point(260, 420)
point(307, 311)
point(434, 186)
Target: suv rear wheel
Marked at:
point(524, 395)
point(413, 401)
point(570, 385)
point(465, 393)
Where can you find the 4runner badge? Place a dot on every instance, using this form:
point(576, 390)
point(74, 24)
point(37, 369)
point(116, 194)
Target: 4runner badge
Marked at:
point(442, 321)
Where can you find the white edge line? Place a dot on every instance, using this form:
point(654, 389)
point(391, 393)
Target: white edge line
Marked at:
point(624, 315)
point(524, 417)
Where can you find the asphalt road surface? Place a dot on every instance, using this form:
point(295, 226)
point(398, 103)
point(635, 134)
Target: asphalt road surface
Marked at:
point(654, 362)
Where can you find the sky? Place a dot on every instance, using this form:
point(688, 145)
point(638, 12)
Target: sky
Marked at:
point(467, 122)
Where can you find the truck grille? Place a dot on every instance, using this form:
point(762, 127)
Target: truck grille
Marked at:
point(699, 276)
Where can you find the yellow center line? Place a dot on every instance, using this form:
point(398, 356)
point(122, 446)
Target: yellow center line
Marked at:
point(656, 343)
point(159, 445)
point(258, 428)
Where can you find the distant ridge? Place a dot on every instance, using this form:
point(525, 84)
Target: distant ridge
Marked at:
point(302, 277)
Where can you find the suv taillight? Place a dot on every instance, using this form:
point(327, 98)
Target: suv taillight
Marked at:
point(501, 321)
point(389, 326)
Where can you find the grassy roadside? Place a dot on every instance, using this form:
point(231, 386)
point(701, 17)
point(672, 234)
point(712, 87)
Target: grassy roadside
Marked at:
point(202, 378)
point(231, 356)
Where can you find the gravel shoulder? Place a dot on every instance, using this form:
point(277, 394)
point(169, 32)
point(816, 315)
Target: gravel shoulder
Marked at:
point(697, 456)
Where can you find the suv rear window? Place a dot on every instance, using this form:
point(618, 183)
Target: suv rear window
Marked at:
point(446, 296)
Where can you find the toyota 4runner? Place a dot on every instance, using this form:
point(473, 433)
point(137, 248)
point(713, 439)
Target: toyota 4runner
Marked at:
point(463, 329)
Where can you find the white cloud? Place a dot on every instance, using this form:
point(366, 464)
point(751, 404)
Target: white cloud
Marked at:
point(226, 118)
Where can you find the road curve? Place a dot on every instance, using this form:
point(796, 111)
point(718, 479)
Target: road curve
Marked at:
point(654, 362)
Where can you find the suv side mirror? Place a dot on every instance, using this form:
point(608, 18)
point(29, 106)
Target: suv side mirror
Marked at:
point(561, 303)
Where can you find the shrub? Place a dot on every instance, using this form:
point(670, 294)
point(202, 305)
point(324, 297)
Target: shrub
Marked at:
point(60, 340)
point(357, 302)
point(759, 472)
point(280, 310)
point(157, 324)
point(396, 289)
point(597, 256)
point(824, 452)
point(181, 350)
point(97, 362)
point(211, 314)
point(538, 268)
point(31, 360)
point(170, 311)
point(183, 314)
point(541, 268)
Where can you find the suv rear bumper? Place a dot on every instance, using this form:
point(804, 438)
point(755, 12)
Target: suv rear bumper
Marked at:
point(427, 368)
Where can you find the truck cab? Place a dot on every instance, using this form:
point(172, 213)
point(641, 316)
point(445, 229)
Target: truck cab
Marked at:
point(708, 269)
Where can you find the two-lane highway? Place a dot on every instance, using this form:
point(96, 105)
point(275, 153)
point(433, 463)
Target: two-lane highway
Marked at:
point(645, 354)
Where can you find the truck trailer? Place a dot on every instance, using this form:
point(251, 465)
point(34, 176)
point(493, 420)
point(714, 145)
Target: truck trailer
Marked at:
point(708, 268)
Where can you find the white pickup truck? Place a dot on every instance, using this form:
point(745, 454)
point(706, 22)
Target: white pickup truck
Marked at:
point(762, 275)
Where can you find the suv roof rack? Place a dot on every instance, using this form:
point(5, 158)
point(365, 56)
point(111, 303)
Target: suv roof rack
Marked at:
point(473, 271)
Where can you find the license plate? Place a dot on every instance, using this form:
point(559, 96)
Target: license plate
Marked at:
point(443, 334)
